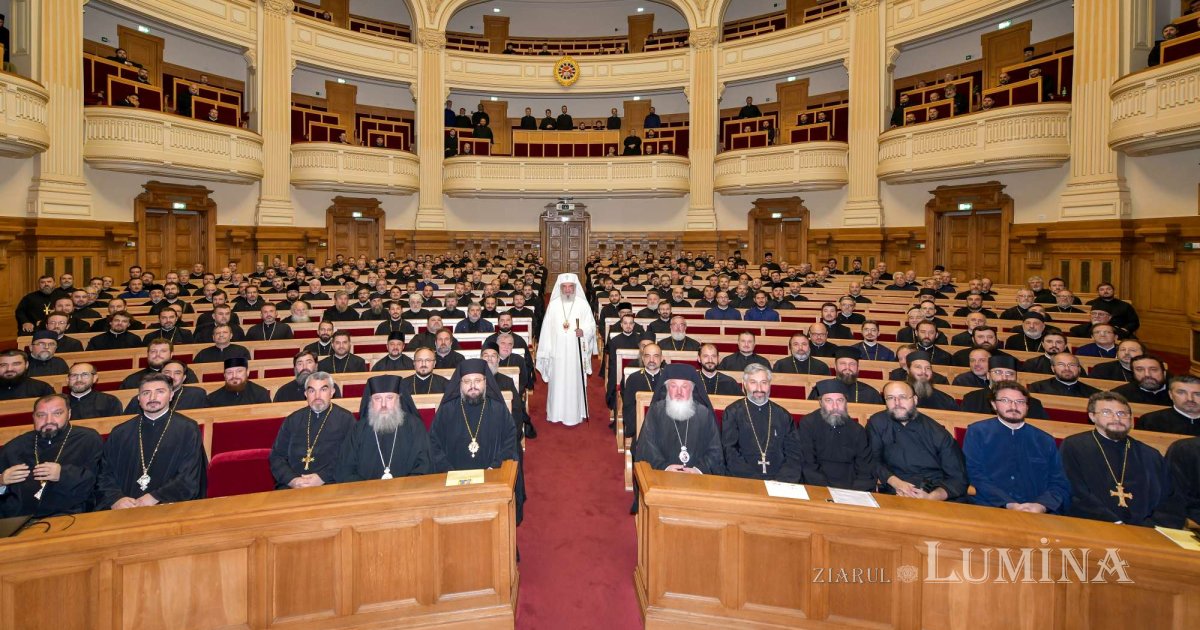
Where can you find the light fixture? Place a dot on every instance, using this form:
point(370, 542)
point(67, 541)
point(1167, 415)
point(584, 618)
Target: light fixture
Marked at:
point(495, 9)
point(776, 215)
point(179, 205)
point(1003, 25)
point(143, 29)
point(356, 215)
point(790, 79)
point(637, 98)
point(966, 206)
point(495, 99)
point(641, 9)
point(340, 80)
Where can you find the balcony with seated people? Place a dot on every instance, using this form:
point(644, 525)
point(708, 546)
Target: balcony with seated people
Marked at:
point(23, 102)
point(1155, 110)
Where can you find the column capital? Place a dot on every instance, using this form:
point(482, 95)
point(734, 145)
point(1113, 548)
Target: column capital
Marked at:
point(704, 38)
point(863, 5)
point(279, 7)
point(431, 39)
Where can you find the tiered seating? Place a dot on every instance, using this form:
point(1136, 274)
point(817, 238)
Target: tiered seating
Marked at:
point(668, 40)
point(466, 42)
point(923, 100)
point(747, 133)
point(314, 124)
point(754, 25)
point(824, 9)
point(395, 132)
point(829, 122)
point(614, 45)
point(227, 102)
point(109, 83)
point(1056, 71)
point(380, 28)
point(671, 140)
point(1187, 43)
point(565, 144)
point(466, 138)
point(312, 11)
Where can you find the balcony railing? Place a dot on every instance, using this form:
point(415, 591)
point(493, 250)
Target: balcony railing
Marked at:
point(23, 130)
point(1157, 110)
point(631, 176)
point(802, 166)
point(340, 167)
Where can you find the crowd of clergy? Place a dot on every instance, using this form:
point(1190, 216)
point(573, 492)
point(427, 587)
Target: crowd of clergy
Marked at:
point(1003, 461)
point(157, 456)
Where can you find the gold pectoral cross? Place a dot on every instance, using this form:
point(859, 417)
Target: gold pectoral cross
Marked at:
point(1121, 495)
point(308, 459)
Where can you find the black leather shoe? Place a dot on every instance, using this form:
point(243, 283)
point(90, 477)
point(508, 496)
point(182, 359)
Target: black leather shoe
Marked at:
point(530, 432)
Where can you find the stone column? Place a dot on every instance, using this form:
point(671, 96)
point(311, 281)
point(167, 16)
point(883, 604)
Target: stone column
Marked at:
point(1096, 186)
point(703, 95)
point(273, 82)
point(867, 103)
point(431, 98)
point(59, 187)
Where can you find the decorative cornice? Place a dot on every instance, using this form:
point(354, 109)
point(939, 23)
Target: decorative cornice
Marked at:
point(704, 38)
point(279, 7)
point(431, 39)
point(863, 5)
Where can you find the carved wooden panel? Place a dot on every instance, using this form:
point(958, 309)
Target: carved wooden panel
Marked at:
point(784, 589)
point(48, 591)
point(306, 573)
point(386, 568)
point(472, 572)
point(197, 590)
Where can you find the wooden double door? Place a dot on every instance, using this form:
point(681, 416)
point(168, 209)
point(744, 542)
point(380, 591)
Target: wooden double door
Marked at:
point(174, 239)
point(971, 243)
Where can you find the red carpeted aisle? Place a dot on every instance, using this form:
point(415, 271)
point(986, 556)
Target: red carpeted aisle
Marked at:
point(577, 542)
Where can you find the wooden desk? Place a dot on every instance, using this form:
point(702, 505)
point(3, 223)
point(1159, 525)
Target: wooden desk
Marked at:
point(718, 552)
point(395, 553)
point(837, 116)
point(943, 107)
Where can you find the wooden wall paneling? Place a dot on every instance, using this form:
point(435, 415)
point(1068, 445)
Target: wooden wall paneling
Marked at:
point(792, 99)
point(640, 26)
point(634, 116)
point(143, 48)
point(1003, 48)
point(342, 99)
point(501, 124)
point(495, 29)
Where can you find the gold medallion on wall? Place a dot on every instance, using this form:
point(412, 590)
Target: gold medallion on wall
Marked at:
point(566, 71)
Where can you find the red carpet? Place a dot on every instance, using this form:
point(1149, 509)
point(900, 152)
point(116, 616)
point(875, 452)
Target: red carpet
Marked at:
point(577, 542)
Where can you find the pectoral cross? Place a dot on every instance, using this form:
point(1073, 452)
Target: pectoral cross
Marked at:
point(762, 461)
point(1121, 495)
point(308, 459)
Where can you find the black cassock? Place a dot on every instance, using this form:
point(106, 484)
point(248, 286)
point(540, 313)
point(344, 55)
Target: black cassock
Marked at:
point(1147, 478)
point(50, 367)
point(979, 401)
point(291, 444)
point(388, 364)
point(93, 404)
point(1184, 459)
point(186, 397)
point(334, 364)
point(620, 341)
point(737, 362)
point(293, 391)
point(822, 455)
point(742, 440)
point(1169, 421)
point(862, 393)
point(415, 385)
point(365, 453)
point(252, 394)
point(73, 492)
point(639, 381)
point(660, 446)
point(720, 385)
point(25, 387)
point(177, 472)
point(792, 365)
point(449, 436)
point(921, 452)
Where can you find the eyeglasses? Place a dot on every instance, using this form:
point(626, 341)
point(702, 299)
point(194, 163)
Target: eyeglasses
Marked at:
point(1108, 413)
point(79, 375)
point(901, 398)
point(1020, 402)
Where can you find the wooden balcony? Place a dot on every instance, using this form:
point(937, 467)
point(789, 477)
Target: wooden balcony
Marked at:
point(1157, 110)
point(341, 167)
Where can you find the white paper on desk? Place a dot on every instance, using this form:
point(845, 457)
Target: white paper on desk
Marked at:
point(786, 490)
point(853, 497)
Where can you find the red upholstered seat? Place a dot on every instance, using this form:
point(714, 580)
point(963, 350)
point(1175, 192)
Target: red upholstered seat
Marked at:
point(353, 390)
point(240, 472)
point(105, 365)
point(212, 377)
point(789, 391)
point(1068, 415)
point(960, 434)
point(244, 435)
point(870, 374)
point(274, 353)
point(15, 419)
point(277, 372)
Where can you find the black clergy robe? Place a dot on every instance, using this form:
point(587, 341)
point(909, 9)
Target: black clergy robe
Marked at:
point(660, 445)
point(25, 387)
point(686, 345)
point(823, 455)
point(93, 404)
point(825, 351)
point(791, 365)
point(177, 472)
point(50, 367)
point(293, 391)
point(263, 332)
point(921, 452)
point(1184, 459)
point(79, 457)
point(67, 344)
point(213, 354)
point(252, 394)
point(320, 348)
point(979, 401)
point(639, 381)
point(113, 341)
point(1169, 421)
point(449, 436)
point(620, 341)
point(747, 430)
point(737, 362)
point(448, 361)
point(962, 358)
point(1023, 343)
point(970, 379)
point(523, 363)
point(1135, 394)
point(332, 314)
point(325, 431)
point(519, 413)
point(133, 380)
point(423, 339)
point(939, 400)
point(720, 384)
point(1147, 477)
point(389, 326)
point(1110, 371)
point(365, 453)
point(183, 398)
point(862, 393)
point(415, 385)
point(388, 364)
point(334, 364)
point(1055, 387)
point(176, 336)
point(1040, 365)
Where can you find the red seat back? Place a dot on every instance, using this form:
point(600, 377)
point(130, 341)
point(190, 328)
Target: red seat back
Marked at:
point(244, 435)
point(240, 472)
point(960, 434)
point(1068, 415)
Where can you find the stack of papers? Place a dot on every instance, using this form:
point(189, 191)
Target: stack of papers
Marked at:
point(853, 497)
point(1181, 537)
point(786, 490)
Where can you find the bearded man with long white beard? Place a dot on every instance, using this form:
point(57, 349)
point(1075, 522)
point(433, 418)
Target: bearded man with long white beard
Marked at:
point(680, 432)
point(389, 440)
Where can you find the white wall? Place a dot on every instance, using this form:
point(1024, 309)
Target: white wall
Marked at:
point(113, 194)
point(824, 208)
point(312, 83)
point(822, 81)
point(578, 107)
point(15, 177)
point(548, 18)
point(386, 10)
point(1035, 196)
point(310, 205)
point(939, 52)
point(1164, 185)
point(619, 215)
point(99, 23)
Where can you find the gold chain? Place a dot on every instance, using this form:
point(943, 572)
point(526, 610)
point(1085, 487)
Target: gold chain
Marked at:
point(1124, 463)
point(310, 443)
point(142, 449)
point(37, 460)
point(762, 449)
point(478, 425)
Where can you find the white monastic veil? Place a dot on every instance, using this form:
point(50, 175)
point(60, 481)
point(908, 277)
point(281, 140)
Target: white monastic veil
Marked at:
point(546, 345)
